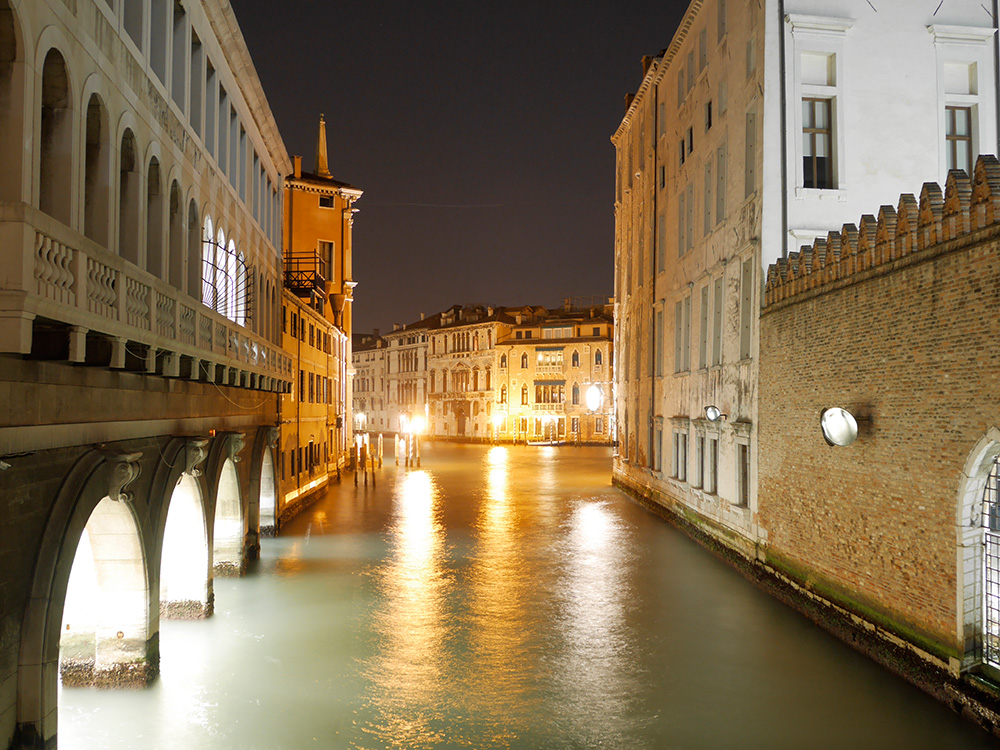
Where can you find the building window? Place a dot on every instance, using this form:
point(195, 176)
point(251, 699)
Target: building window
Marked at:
point(576, 395)
point(743, 476)
point(817, 162)
point(503, 362)
point(524, 361)
point(576, 359)
point(690, 141)
point(708, 116)
point(598, 358)
point(717, 321)
point(599, 424)
point(699, 461)
point(958, 138)
point(326, 201)
point(712, 469)
point(680, 455)
point(682, 335)
point(503, 394)
point(750, 159)
point(524, 395)
point(746, 307)
point(681, 152)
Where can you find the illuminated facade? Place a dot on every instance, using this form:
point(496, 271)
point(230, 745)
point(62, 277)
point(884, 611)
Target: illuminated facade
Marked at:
point(461, 370)
point(140, 351)
point(406, 373)
point(554, 376)
point(316, 416)
point(369, 357)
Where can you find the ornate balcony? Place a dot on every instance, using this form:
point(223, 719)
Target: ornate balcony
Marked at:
point(56, 284)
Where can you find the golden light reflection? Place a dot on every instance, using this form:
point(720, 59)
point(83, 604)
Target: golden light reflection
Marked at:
point(501, 632)
point(408, 669)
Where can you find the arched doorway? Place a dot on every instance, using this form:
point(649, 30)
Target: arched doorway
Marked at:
point(184, 570)
point(268, 496)
point(105, 615)
point(227, 541)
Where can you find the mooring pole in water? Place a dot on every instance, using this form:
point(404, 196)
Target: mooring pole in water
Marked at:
point(373, 471)
point(354, 461)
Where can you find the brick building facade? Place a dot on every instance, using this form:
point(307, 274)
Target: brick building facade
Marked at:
point(896, 319)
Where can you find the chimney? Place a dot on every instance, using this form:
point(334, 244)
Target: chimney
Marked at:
point(297, 169)
point(322, 166)
point(395, 326)
point(375, 333)
point(421, 316)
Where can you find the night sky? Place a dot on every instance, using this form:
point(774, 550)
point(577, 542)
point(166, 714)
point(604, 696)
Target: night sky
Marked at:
point(479, 132)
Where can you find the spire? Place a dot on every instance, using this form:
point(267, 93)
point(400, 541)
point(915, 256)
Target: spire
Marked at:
point(322, 166)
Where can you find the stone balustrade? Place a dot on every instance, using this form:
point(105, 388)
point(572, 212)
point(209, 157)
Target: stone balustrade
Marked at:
point(64, 278)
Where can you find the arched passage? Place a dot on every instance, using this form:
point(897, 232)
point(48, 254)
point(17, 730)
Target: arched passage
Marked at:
point(268, 496)
point(104, 624)
point(11, 106)
point(56, 146)
point(129, 192)
point(227, 546)
point(184, 569)
point(154, 220)
point(973, 522)
point(97, 173)
point(175, 238)
point(193, 251)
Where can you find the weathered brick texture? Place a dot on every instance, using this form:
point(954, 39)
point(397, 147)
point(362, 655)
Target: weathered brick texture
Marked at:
point(897, 320)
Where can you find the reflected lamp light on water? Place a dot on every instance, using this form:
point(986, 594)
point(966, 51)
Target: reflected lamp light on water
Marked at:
point(839, 426)
point(713, 413)
point(594, 398)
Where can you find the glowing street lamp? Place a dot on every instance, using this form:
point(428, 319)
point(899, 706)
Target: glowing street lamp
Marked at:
point(594, 398)
point(839, 426)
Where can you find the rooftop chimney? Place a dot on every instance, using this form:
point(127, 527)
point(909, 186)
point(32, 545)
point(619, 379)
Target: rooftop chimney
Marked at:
point(322, 166)
point(421, 316)
point(297, 169)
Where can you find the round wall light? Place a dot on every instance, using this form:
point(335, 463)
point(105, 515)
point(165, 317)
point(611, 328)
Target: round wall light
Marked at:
point(713, 413)
point(594, 398)
point(839, 426)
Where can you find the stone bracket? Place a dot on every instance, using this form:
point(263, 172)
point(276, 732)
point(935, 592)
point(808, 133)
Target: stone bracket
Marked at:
point(123, 469)
point(195, 452)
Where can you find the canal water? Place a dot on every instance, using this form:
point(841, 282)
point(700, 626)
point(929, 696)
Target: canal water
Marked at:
point(501, 597)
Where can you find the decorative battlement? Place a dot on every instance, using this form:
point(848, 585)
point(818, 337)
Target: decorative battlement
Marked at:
point(965, 207)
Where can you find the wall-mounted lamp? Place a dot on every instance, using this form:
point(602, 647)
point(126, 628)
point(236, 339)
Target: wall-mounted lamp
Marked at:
point(839, 426)
point(714, 414)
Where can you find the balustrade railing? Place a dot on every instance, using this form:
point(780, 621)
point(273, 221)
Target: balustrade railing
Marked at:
point(65, 277)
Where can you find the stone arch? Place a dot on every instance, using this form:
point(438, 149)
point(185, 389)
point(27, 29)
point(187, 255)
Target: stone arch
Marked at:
point(182, 532)
point(55, 150)
point(12, 104)
point(263, 488)
point(129, 191)
point(97, 172)
point(93, 478)
point(228, 509)
point(970, 539)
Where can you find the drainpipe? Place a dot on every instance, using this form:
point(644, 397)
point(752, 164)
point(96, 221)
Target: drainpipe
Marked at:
point(784, 134)
point(650, 431)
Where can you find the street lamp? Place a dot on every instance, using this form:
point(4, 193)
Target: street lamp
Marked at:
point(839, 426)
point(595, 397)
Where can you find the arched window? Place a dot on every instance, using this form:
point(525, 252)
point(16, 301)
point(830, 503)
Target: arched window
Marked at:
point(598, 357)
point(208, 264)
point(240, 277)
point(56, 147)
point(175, 239)
point(489, 339)
point(154, 220)
point(219, 266)
point(524, 361)
point(503, 361)
point(97, 174)
point(991, 550)
point(432, 381)
point(576, 360)
point(231, 274)
point(194, 251)
point(576, 393)
point(524, 395)
point(503, 394)
point(488, 379)
point(475, 343)
point(11, 122)
point(129, 195)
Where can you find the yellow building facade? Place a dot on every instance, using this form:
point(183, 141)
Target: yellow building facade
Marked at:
point(316, 416)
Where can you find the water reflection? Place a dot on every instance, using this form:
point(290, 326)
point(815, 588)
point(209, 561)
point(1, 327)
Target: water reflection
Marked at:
point(411, 629)
point(597, 666)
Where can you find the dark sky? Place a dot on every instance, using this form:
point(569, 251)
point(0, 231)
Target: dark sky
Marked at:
point(479, 132)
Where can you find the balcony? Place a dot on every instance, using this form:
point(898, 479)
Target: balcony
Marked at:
point(550, 408)
point(305, 274)
point(99, 303)
point(548, 369)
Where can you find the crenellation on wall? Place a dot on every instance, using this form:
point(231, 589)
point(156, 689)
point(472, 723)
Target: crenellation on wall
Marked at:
point(954, 214)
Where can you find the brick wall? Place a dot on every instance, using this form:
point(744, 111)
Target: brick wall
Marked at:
point(898, 320)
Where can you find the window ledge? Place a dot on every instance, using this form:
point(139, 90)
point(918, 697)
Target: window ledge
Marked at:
point(823, 194)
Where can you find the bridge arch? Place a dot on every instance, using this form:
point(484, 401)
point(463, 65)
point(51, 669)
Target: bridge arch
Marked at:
point(91, 511)
point(229, 528)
